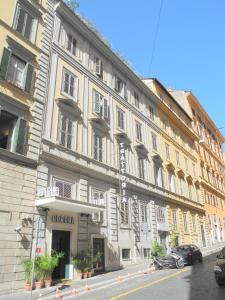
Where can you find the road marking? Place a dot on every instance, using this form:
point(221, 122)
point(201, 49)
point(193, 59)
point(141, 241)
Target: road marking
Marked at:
point(149, 284)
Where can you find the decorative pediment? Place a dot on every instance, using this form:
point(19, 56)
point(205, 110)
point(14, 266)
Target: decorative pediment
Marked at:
point(157, 158)
point(180, 172)
point(70, 106)
point(141, 148)
point(122, 136)
point(169, 165)
point(100, 123)
point(189, 178)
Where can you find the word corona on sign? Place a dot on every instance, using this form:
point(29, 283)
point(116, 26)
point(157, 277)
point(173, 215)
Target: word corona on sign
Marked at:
point(123, 178)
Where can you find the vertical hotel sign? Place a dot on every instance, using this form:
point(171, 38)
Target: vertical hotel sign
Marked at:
point(123, 179)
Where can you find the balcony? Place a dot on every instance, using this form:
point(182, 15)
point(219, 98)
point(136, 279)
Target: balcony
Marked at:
point(70, 105)
point(100, 122)
point(50, 199)
point(122, 136)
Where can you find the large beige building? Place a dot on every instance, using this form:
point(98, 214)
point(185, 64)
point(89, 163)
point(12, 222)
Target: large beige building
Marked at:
point(21, 109)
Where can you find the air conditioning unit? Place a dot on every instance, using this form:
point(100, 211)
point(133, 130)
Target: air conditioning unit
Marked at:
point(97, 217)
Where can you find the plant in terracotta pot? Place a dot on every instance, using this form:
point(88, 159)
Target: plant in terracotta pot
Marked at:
point(48, 264)
point(38, 273)
point(96, 258)
point(78, 262)
point(27, 266)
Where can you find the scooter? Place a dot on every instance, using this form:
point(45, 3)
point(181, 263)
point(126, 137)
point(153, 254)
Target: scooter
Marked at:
point(170, 261)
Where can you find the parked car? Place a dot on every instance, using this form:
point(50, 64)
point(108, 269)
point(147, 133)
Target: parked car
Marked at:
point(190, 253)
point(219, 268)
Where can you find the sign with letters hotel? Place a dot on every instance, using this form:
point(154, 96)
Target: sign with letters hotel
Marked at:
point(123, 183)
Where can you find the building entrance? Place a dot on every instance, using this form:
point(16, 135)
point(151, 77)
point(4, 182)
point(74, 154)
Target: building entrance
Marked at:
point(61, 243)
point(98, 248)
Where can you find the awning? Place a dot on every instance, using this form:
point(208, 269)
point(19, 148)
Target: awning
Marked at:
point(68, 205)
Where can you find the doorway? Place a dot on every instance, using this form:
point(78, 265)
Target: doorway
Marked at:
point(163, 240)
point(99, 248)
point(203, 235)
point(61, 243)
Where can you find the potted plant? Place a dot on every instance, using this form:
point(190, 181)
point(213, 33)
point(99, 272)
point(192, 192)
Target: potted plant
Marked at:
point(38, 273)
point(96, 258)
point(47, 265)
point(27, 265)
point(157, 249)
point(78, 264)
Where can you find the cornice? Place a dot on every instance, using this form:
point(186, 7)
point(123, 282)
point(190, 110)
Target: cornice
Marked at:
point(212, 188)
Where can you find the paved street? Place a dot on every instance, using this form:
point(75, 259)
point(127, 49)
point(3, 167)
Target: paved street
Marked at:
point(190, 283)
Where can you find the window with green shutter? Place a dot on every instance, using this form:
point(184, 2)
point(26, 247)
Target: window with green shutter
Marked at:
point(24, 23)
point(16, 71)
point(13, 132)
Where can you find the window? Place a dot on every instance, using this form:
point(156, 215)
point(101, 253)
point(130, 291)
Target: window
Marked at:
point(98, 151)
point(65, 188)
point(171, 181)
point(197, 195)
point(125, 254)
point(71, 44)
point(13, 132)
point(158, 175)
point(160, 215)
point(65, 131)
point(190, 191)
point(101, 106)
point(174, 133)
point(154, 141)
point(141, 167)
point(161, 96)
point(98, 66)
point(194, 224)
point(151, 113)
point(118, 85)
point(174, 219)
point(136, 100)
point(138, 131)
point(194, 170)
point(146, 252)
point(16, 71)
point(144, 213)
point(25, 23)
point(164, 124)
point(185, 222)
point(98, 197)
point(186, 164)
point(120, 118)
point(69, 84)
point(181, 183)
point(177, 158)
point(124, 212)
point(167, 151)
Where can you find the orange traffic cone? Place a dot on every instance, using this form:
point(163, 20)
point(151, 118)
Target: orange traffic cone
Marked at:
point(40, 297)
point(57, 295)
point(119, 278)
point(139, 273)
point(74, 292)
point(128, 275)
point(86, 288)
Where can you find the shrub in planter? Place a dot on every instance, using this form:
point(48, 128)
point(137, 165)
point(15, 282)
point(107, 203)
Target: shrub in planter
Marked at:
point(48, 264)
point(27, 266)
point(157, 249)
point(38, 275)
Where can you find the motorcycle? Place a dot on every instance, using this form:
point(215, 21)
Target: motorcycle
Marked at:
point(171, 261)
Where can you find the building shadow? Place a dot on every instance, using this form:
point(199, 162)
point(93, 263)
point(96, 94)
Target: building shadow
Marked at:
point(202, 284)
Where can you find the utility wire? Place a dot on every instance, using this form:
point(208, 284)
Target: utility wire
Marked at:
point(155, 37)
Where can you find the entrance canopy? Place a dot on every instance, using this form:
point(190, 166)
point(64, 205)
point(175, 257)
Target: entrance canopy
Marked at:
point(68, 205)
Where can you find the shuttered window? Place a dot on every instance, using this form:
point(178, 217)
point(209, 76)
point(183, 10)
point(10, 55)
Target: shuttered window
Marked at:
point(124, 212)
point(120, 118)
point(16, 71)
point(97, 147)
point(138, 131)
point(71, 44)
point(101, 106)
point(25, 23)
point(13, 132)
point(70, 84)
point(66, 131)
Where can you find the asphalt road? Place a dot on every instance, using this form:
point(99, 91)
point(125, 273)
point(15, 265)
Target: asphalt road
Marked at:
point(191, 283)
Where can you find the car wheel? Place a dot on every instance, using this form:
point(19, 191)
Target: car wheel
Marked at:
point(200, 259)
point(220, 283)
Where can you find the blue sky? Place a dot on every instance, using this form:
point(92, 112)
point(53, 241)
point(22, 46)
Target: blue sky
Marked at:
point(190, 46)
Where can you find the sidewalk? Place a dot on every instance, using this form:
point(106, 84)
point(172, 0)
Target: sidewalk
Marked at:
point(93, 282)
point(106, 279)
